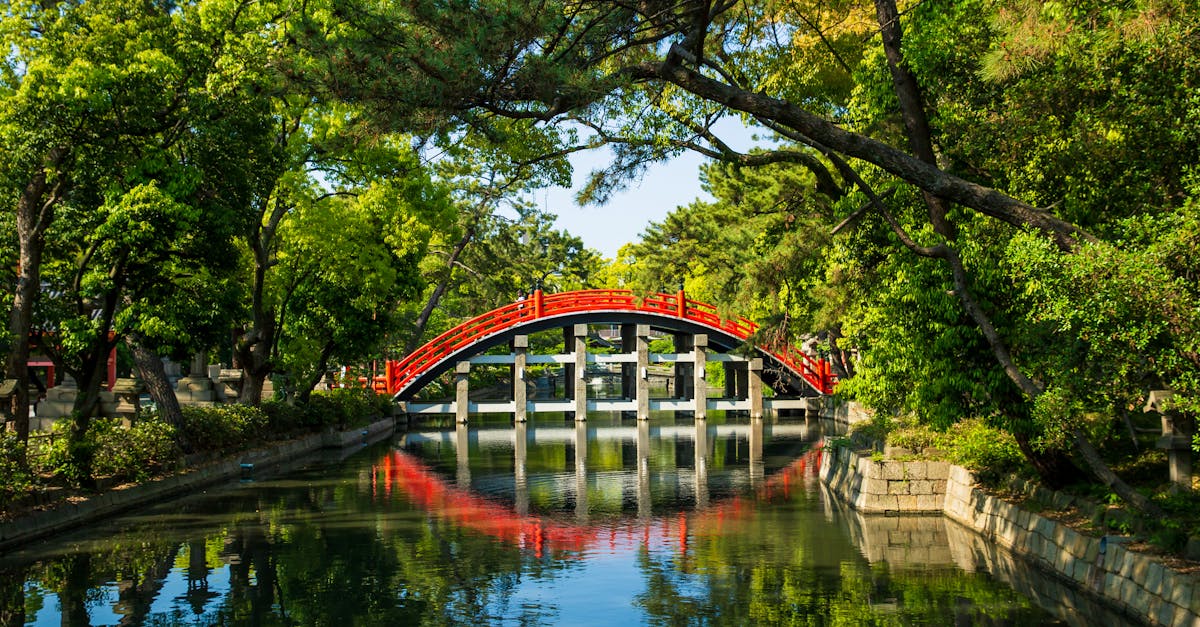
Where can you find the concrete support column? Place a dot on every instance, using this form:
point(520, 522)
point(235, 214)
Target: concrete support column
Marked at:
point(580, 378)
point(462, 400)
point(629, 371)
point(755, 387)
point(699, 385)
point(520, 392)
point(568, 334)
point(683, 371)
point(643, 372)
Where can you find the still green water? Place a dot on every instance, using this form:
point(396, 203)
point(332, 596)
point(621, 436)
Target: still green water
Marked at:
point(608, 522)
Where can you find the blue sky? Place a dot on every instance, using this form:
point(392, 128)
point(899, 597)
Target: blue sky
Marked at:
point(664, 187)
point(606, 228)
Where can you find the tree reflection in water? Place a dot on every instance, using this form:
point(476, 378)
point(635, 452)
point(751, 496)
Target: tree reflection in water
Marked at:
point(389, 537)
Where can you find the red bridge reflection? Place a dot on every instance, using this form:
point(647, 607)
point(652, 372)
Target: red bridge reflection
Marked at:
point(402, 474)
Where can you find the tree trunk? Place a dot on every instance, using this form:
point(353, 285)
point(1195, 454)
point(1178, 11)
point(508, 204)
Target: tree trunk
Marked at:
point(1054, 468)
point(419, 326)
point(35, 212)
point(304, 392)
point(150, 369)
point(912, 108)
point(253, 347)
point(826, 134)
point(843, 366)
point(253, 380)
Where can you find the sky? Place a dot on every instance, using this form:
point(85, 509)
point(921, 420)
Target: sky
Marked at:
point(626, 215)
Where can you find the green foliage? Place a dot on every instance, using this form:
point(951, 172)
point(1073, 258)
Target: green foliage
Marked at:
point(347, 407)
point(916, 436)
point(58, 454)
point(135, 453)
point(224, 428)
point(874, 431)
point(117, 452)
point(284, 418)
point(339, 408)
point(16, 480)
point(988, 452)
point(662, 345)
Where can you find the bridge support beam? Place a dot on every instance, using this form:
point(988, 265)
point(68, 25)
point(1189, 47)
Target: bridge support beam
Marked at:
point(643, 372)
point(462, 399)
point(699, 385)
point(683, 370)
point(520, 392)
point(580, 378)
point(629, 371)
point(755, 389)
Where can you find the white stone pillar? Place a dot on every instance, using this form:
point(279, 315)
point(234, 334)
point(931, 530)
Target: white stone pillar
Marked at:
point(700, 386)
point(462, 400)
point(643, 372)
point(520, 391)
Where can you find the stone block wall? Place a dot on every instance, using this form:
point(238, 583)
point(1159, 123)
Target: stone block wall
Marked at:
point(885, 486)
point(1136, 582)
point(1102, 568)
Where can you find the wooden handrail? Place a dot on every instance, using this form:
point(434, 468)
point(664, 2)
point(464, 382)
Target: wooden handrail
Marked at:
point(401, 373)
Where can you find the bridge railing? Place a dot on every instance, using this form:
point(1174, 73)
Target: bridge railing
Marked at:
point(400, 374)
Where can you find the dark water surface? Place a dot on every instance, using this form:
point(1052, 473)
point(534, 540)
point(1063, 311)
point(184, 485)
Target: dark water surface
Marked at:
point(608, 522)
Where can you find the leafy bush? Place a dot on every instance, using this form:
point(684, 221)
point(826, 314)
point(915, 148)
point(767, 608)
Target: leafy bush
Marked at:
point(873, 432)
point(224, 427)
point(284, 418)
point(988, 452)
point(348, 407)
point(56, 453)
point(916, 437)
point(15, 478)
point(136, 453)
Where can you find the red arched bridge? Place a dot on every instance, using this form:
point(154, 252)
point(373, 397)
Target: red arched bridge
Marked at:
point(790, 370)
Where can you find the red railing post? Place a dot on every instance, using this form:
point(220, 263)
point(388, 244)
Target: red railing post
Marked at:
point(401, 374)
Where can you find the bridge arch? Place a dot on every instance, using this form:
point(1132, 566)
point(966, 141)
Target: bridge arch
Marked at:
point(793, 371)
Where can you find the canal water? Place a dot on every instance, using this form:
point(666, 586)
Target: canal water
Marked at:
point(609, 522)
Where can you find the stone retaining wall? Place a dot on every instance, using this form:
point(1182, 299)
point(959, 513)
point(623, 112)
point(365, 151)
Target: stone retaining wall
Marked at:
point(1135, 583)
point(885, 486)
point(68, 515)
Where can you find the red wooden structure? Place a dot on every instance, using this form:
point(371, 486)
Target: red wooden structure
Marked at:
point(542, 309)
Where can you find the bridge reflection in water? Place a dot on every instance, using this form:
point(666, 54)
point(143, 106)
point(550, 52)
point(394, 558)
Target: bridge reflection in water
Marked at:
point(701, 437)
point(505, 512)
point(724, 524)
